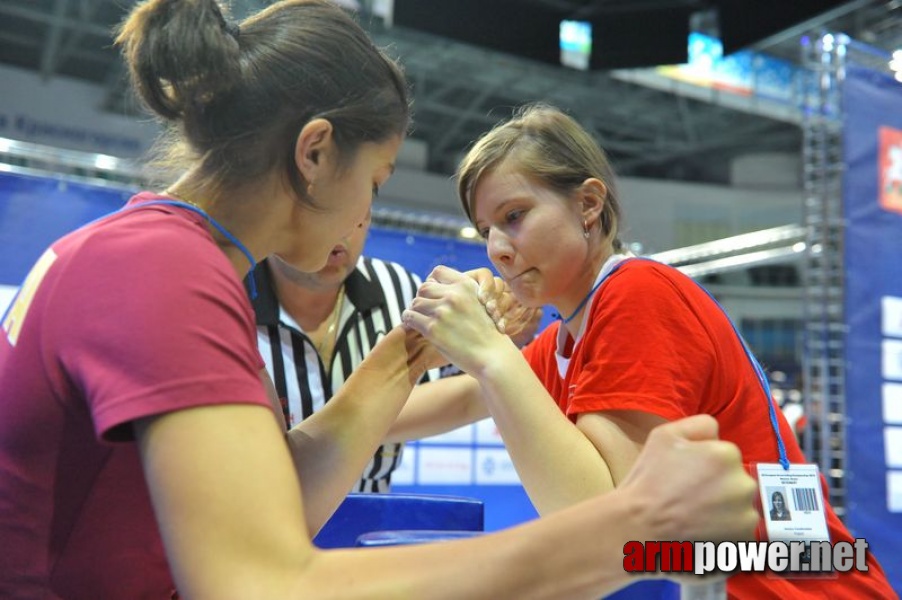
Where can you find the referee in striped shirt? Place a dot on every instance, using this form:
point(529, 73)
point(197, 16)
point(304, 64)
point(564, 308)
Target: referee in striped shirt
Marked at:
point(313, 329)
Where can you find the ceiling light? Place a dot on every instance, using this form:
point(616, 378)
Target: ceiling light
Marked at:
point(469, 233)
point(102, 161)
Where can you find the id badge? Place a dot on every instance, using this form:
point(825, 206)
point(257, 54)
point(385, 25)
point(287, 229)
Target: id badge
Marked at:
point(792, 503)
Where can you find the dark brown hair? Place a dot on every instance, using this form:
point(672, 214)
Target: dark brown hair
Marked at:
point(237, 96)
point(548, 146)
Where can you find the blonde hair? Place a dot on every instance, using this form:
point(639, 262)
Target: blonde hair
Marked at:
point(543, 143)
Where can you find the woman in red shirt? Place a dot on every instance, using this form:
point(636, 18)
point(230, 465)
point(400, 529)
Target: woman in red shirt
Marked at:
point(638, 343)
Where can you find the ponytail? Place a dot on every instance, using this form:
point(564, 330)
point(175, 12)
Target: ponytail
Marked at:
point(180, 54)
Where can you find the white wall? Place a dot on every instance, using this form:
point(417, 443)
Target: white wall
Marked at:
point(6, 296)
point(666, 214)
point(67, 114)
point(659, 214)
point(759, 302)
point(421, 191)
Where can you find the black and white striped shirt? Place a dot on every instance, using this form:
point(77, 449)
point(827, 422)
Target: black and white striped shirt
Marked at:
point(376, 293)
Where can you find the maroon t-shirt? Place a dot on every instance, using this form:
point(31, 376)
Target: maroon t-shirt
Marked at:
point(136, 314)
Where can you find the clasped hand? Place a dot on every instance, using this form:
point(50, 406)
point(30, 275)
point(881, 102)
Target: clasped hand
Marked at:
point(468, 316)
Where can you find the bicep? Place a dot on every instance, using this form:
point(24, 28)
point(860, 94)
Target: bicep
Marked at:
point(226, 498)
point(619, 436)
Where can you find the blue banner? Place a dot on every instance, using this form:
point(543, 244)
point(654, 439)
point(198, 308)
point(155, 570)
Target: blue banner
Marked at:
point(35, 211)
point(873, 245)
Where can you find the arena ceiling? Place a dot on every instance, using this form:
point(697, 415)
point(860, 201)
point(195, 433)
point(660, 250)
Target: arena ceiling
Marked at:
point(463, 87)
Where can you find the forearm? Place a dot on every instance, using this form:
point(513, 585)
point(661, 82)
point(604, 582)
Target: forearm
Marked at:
point(439, 406)
point(514, 563)
point(557, 464)
point(238, 530)
point(331, 448)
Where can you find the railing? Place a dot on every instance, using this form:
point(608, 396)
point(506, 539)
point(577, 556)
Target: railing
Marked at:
point(110, 171)
point(778, 245)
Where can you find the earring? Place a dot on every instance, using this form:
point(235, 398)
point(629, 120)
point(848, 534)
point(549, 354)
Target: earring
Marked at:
point(310, 189)
point(586, 229)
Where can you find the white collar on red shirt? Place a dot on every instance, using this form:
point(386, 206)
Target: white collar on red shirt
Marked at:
point(563, 336)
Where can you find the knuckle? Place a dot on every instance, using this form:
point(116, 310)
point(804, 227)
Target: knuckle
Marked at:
point(729, 452)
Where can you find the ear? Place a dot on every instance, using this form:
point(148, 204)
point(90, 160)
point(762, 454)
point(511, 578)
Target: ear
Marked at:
point(312, 148)
point(591, 195)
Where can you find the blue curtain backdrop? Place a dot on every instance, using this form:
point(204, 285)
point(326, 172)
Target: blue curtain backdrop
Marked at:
point(873, 241)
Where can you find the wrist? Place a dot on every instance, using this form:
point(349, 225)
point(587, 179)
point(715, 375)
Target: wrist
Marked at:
point(420, 356)
point(496, 363)
point(400, 352)
point(636, 518)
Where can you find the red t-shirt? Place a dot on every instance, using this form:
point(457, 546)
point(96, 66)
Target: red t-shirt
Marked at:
point(136, 314)
point(654, 341)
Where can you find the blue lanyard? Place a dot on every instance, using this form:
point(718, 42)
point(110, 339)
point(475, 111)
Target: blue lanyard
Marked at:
point(759, 371)
point(762, 379)
point(580, 306)
point(225, 232)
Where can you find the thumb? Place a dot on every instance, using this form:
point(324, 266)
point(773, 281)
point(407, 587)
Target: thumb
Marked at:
point(481, 275)
point(486, 290)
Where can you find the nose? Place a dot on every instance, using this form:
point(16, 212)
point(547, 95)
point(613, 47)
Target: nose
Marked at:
point(362, 224)
point(367, 219)
point(499, 247)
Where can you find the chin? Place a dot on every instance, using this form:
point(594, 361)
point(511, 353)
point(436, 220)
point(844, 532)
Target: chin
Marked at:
point(527, 296)
point(306, 265)
point(332, 275)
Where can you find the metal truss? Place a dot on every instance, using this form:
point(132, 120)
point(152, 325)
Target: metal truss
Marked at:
point(823, 356)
